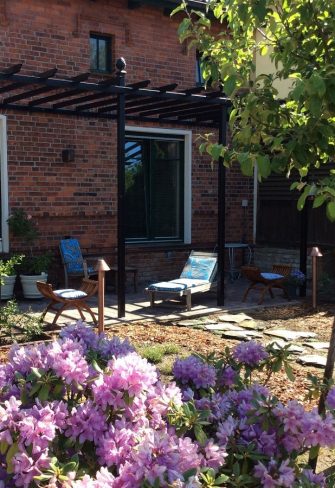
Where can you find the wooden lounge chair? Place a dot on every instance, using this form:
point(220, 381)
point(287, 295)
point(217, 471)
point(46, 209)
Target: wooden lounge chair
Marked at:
point(197, 276)
point(63, 299)
point(74, 263)
point(265, 282)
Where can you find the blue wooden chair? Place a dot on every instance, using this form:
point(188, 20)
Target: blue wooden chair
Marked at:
point(74, 263)
point(197, 276)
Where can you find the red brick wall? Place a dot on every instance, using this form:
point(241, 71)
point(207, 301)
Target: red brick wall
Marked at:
point(79, 198)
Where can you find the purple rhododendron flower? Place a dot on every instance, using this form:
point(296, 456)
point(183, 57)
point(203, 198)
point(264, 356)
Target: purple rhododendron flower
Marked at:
point(128, 428)
point(330, 400)
point(250, 353)
point(228, 377)
point(318, 479)
point(194, 370)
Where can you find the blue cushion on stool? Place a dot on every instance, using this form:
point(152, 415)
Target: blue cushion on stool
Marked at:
point(271, 276)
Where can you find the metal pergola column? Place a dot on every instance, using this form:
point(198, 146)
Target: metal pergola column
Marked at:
point(121, 250)
point(221, 208)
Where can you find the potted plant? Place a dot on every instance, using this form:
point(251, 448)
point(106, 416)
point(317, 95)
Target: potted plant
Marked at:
point(293, 281)
point(33, 267)
point(8, 275)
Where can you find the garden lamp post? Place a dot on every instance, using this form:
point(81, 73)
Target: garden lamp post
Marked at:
point(102, 267)
point(315, 253)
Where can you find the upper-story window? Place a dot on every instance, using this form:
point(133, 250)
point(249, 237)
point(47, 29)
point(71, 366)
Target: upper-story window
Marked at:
point(100, 53)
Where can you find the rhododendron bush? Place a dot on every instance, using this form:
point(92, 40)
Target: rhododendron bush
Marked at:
point(88, 412)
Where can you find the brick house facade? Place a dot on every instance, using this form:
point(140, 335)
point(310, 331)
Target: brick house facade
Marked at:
point(79, 198)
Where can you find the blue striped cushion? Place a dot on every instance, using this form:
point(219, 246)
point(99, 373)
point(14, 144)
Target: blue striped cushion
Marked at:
point(199, 268)
point(70, 294)
point(271, 276)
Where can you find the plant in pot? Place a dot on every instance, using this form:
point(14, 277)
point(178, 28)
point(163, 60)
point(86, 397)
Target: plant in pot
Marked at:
point(33, 267)
point(8, 275)
point(293, 281)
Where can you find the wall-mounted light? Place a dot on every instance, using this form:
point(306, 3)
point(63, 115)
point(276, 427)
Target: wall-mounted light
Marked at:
point(68, 155)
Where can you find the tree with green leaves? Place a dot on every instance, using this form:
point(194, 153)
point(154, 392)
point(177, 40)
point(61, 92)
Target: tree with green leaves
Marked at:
point(294, 135)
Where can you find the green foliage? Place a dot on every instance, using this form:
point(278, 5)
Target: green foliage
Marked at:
point(35, 265)
point(22, 225)
point(8, 267)
point(156, 353)
point(291, 136)
point(11, 319)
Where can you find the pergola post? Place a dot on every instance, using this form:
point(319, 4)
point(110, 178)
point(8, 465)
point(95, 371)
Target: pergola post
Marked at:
point(121, 254)
point(303, 244)
point(221, 207)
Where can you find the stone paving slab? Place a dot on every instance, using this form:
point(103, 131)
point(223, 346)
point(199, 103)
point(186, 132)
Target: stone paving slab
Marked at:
point(234, 317)
point(244, 335)
point(313, 360)
point(318, 346)
point(252, 324)
point(224, 327)
point(196, 324)
point(289, 335)
point(280, 344)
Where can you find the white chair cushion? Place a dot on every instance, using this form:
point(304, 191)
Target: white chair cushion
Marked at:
point(176, 285)
point(70, 294)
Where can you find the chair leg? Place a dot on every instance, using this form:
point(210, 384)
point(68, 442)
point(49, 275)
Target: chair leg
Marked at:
point(82, 316)
point(88, 310)
point(247, 291)
point(152, 298)
point(46, 310)
point(271, 292)
point(188, 300)
point(66, 277)
point(59, 312)
point(262, 295)
point(286, 295)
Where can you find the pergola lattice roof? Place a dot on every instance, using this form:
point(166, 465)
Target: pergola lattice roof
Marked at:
point(45, 92)
point(113, 99)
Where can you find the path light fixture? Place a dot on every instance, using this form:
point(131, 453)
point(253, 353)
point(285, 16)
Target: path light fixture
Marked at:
point(101, 267)
point(315, 253)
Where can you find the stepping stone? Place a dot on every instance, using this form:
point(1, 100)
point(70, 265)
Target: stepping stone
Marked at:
point(313, 360)
point(241, 335)
point(234, 317)
point(289, 335)
point(252, 324)
point(293, 348)
point(196, 324)
point(223, 327)
point(317, 345)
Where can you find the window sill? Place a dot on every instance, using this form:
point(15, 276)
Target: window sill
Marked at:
point(155, 243)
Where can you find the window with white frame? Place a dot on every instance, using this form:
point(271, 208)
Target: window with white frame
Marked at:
point(158, 185)
point(4, 242)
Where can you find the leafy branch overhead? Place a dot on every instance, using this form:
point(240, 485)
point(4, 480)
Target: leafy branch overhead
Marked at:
point(294, 134)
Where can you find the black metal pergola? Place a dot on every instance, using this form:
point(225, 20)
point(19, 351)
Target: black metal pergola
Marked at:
point(112, 98)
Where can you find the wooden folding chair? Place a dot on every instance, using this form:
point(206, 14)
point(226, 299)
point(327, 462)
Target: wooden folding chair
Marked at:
point(265, 282)
point(66, 298)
